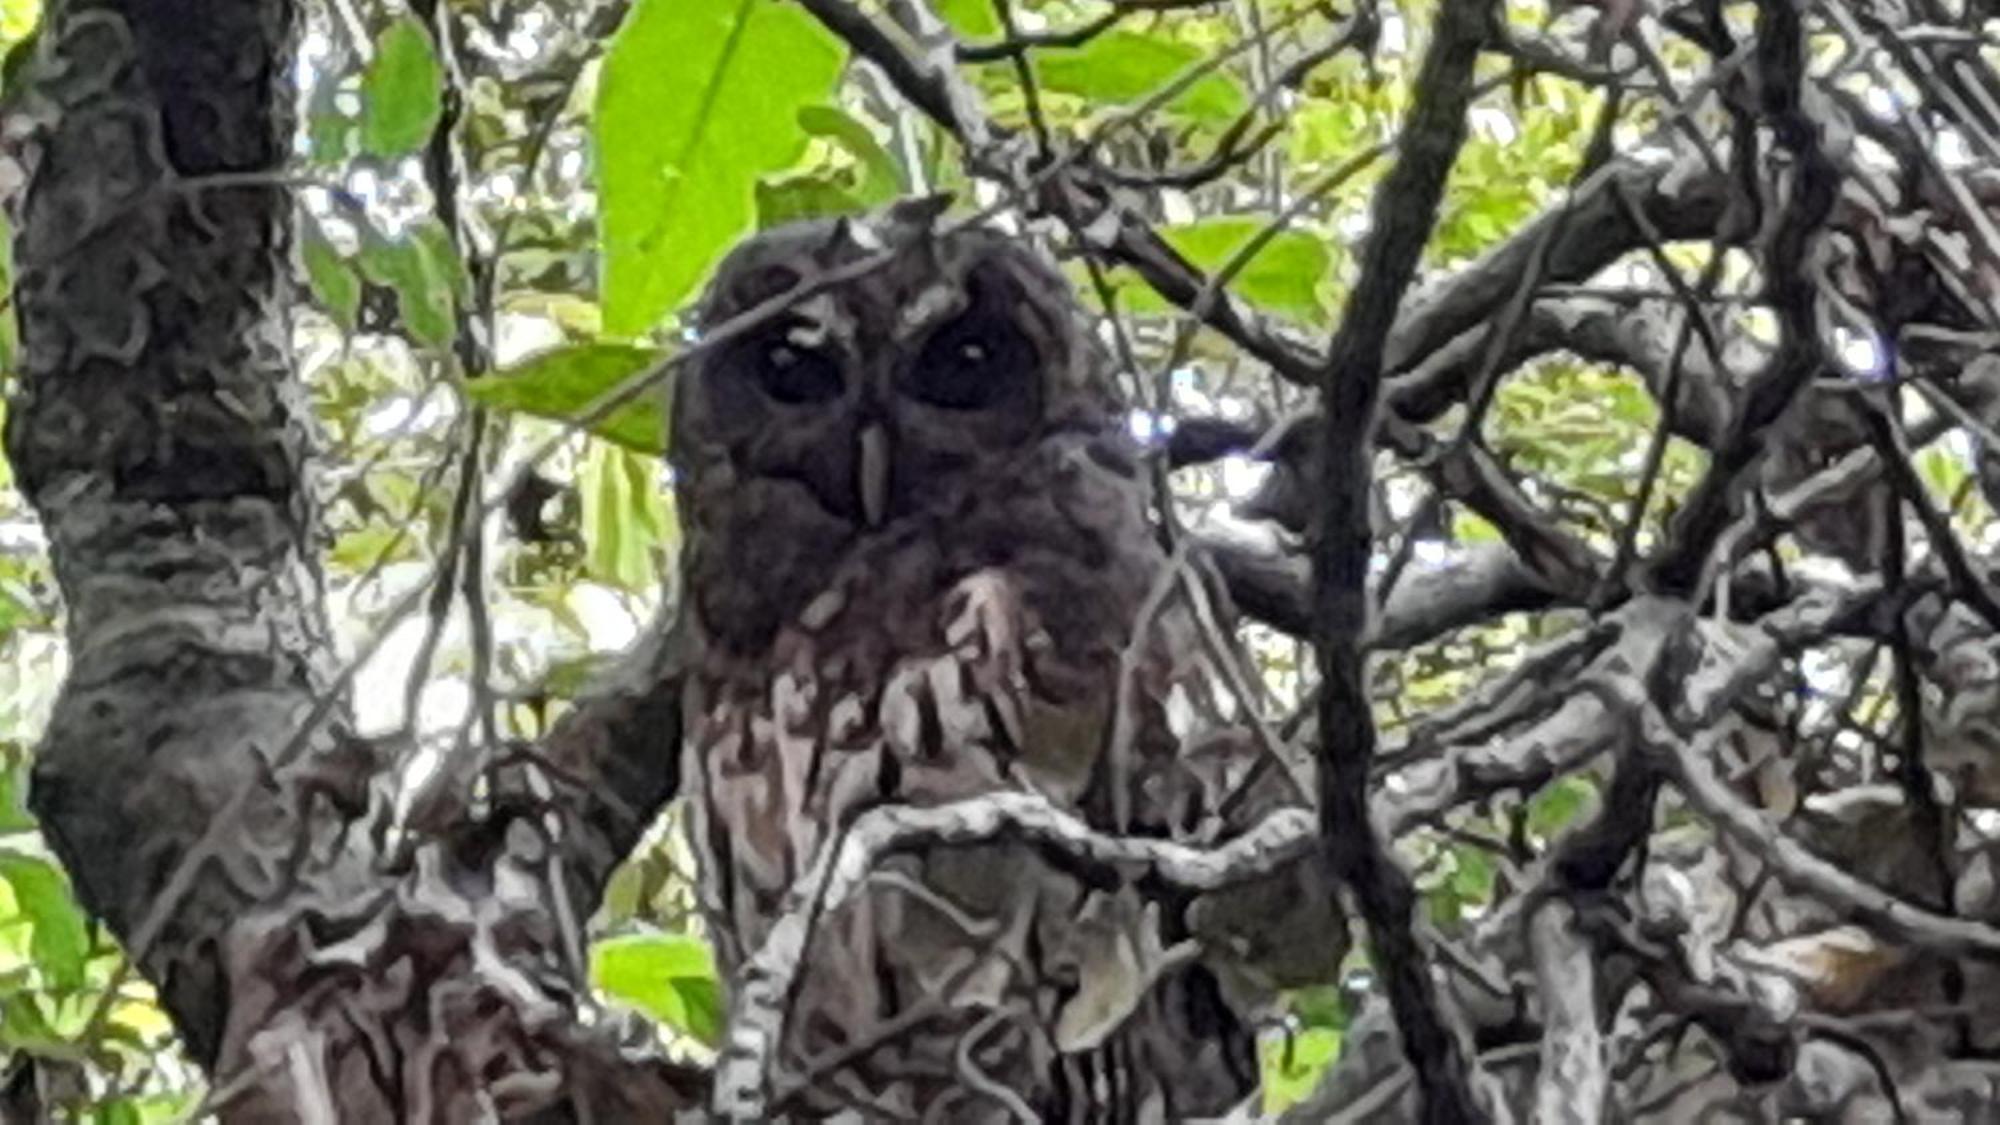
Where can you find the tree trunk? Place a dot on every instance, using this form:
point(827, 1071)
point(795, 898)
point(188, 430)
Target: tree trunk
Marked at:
point(198, 777)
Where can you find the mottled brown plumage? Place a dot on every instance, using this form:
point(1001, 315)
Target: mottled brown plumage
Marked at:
point(919, 546)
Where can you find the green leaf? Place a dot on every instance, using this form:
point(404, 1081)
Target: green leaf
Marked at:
point(1293, 1065)
point(148, 1109)
point(9, 326)
point(401, 91)
point(355, 551)
point(1942, 469)
point(17, 607)
point(875, 179)
point(424, 281)
point(1284, 273)
point(1559, 804)
point(1322, 1005)
point(18, 37)
point(18, 19)
point(1282, 276)
point(670, 977)
point(441, 258)
point(1472, 874)
point(332, 279)
point(699, 98)
point(1469, 527)
point(61, 937)
point(881, 176)
point(624, 516)
point(562, 383)
point(13, 810)
point(1123, 66)
point(972, 19)
point(802, 197)
point(23, 1026)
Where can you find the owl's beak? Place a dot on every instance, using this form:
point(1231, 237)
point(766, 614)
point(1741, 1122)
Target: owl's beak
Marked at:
point(872, 474)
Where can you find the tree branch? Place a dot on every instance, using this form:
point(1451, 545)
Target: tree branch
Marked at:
point(1272, 586)
point(843, 866)
point(198, 777)
point(1814, 184)
point(1405, 209)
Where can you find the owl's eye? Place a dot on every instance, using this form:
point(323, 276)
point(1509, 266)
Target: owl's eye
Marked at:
point(796, 375)
point(971, 364)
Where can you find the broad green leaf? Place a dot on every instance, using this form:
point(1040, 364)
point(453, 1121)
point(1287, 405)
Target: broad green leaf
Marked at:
point(1282, 277)
point(793, 198)
point(1122, 66)
point(18, 18)
point(881, 176)
point(625, 516)
point(561, 384)
point(972, 19)
point(698, 99)
point(670, 977)
point(401, 91)
point(874, 180)
point(424, 283)
point(61, 941)
point(333, 281)
point(1293, 1064)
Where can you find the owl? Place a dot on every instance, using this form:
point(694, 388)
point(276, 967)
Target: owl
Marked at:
point(921, 564)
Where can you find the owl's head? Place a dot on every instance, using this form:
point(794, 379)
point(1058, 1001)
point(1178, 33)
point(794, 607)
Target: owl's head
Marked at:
point(919, 365)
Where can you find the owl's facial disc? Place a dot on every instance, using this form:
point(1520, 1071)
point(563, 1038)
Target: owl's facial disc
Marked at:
point(974, 362)
point(794, 368)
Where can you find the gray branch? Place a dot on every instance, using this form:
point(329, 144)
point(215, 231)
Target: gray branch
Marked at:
point(843, 866)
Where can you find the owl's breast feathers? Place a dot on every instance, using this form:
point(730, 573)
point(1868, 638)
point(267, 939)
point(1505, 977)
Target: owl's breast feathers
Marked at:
point(1028, 635)
point(975, 646)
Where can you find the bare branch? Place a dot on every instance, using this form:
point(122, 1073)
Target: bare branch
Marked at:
point(1796, 866)
point(1270, 585)
point(843, 867)
point(1405, 209)
point(1574, 1083)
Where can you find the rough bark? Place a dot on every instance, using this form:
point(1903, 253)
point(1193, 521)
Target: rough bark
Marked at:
point(163, 438)
point(198, 776)
point(1403, 213)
